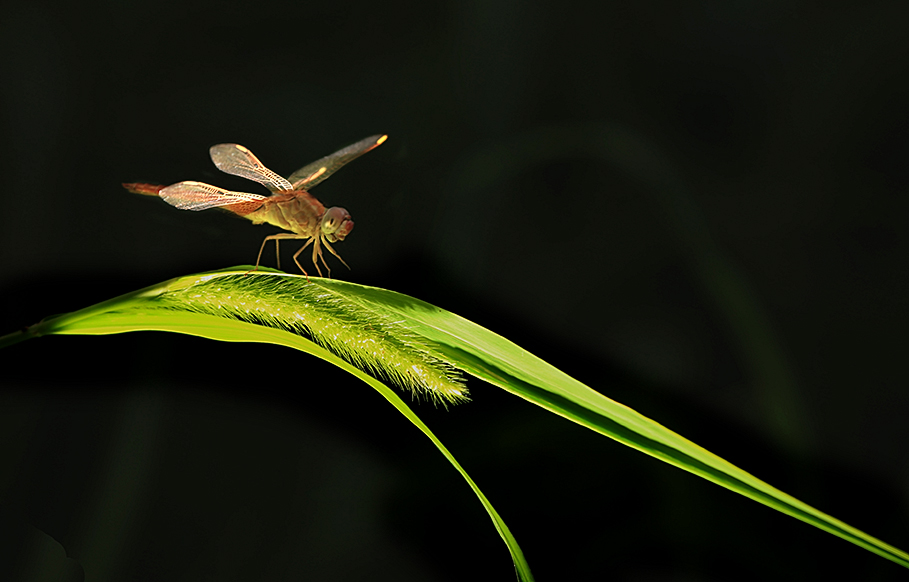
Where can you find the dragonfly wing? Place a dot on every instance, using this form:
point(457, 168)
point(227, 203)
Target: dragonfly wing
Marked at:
point(232, 158)
point(308, 176)
point(199, 196)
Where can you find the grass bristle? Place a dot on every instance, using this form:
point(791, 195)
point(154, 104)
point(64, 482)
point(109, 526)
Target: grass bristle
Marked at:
point(370, 339)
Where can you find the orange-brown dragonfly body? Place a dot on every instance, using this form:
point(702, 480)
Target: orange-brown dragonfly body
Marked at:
point(290, 206)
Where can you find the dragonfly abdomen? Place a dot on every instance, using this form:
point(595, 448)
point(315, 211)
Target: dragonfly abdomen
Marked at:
point(146, 189)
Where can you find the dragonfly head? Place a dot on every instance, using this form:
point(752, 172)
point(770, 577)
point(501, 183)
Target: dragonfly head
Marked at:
point(336, 224)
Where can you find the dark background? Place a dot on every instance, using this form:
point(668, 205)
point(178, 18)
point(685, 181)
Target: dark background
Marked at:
point(698, 210)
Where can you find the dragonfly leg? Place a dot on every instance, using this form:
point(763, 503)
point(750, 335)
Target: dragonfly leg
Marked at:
point(297, 254)
point(316, 255)
point(276, 238)
point(332, 251)
point(321, 256)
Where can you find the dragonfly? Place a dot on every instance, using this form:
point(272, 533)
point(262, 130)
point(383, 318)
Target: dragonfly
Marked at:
point(290, 206)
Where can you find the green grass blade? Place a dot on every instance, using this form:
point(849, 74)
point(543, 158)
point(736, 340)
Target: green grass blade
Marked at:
point(142, 311)
point(421, 347)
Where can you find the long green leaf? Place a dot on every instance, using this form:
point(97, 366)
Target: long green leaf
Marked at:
point(153, 309)
point(422, 347)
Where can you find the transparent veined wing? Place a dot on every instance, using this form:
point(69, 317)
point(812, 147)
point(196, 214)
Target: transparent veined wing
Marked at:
point(199, 196)
point(232, 158)
point(310, 175)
